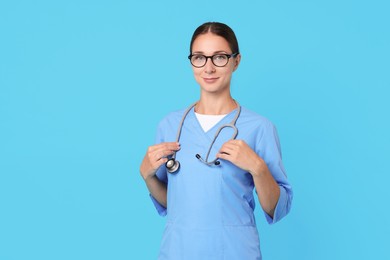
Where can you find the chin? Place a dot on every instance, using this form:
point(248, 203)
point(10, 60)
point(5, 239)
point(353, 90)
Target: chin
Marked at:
point(212, 89)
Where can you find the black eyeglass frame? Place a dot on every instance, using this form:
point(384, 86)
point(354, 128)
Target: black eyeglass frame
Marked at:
point(233, 55)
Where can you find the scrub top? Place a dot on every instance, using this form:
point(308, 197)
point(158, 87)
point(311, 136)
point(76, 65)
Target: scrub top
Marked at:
point(210, 209)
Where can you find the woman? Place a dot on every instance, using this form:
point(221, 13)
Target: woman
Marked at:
point(209, 203)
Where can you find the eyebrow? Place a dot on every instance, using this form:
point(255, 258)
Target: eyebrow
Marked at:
point(216, 52)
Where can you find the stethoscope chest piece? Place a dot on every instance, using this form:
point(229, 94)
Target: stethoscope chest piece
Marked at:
point(172, 165)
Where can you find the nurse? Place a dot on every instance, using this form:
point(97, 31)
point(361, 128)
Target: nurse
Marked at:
point(209, 200)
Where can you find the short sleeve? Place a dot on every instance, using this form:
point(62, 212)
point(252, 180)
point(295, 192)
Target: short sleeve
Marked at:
point(270, 151)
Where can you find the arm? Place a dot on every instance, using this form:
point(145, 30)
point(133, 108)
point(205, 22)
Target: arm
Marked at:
point(154, 158)
point(240, 154)
point(267, 189)
point(265, 165)
point(157, 189)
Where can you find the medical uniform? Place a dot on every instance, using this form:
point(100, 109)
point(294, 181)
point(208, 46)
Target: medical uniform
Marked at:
point(210, 208)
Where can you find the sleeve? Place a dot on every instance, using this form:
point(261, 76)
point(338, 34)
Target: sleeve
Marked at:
point(161, 174)
point(269, 149)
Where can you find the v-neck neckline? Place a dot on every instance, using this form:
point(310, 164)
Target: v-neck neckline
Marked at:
point(209, 135)
point(209, 121)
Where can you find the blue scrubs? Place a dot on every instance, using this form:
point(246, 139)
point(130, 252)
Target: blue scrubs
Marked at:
point(210, 208)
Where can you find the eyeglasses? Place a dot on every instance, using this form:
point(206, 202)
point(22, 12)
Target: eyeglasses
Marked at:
point(219, 60)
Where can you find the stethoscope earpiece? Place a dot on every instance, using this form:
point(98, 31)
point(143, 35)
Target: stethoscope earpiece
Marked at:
point(215, 162)
point(172, 165)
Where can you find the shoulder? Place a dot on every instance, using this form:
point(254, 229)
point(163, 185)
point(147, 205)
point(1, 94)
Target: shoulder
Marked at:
point(171, 117)
point(249, 117)
point(168, 125)
point(259, 129)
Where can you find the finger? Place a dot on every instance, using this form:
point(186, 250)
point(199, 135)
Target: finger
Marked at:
point(232, 142)
point(155, 165)
point(161, 161)
point(165, 145)
point(167, 149)
point(162, 153)
point(237, 142)
point(228, 149)
point(223, 156)
point(172, 145)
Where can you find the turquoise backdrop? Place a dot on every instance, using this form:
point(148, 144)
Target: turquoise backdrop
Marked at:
point(83, 85)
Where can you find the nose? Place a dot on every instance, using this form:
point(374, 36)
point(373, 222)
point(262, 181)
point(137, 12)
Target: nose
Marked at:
point(209, 66)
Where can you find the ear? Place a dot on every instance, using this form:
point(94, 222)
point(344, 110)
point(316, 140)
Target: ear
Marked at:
point(237, 61)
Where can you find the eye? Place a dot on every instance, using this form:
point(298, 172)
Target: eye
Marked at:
point(197, 57)
point(220, 57)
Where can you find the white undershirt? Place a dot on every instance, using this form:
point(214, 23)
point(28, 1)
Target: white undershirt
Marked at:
point(208, 121)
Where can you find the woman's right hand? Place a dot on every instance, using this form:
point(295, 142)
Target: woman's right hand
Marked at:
point(155, 156)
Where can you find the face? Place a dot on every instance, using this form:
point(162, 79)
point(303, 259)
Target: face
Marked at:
point(213, 79)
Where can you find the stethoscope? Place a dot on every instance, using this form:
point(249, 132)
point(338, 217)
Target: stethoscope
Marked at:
point(173, 165)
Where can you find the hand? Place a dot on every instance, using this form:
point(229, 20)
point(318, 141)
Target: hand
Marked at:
point(156, 156)
point(240, 154)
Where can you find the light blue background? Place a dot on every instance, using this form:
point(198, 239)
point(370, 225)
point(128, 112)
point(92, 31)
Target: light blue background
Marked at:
point(83, 85)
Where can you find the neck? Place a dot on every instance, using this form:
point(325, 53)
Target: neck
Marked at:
point(215, 105)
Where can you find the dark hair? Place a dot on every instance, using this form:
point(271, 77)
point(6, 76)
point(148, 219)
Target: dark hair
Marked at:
point(219, 29)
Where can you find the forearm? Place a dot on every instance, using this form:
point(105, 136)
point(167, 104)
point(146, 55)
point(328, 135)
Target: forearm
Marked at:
point(157, 189)
point(156, 156)
point(267, 189)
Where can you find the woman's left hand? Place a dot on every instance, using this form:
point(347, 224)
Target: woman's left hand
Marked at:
point(240, 154)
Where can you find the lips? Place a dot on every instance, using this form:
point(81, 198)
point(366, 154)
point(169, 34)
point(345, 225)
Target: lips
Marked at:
point(210, 80)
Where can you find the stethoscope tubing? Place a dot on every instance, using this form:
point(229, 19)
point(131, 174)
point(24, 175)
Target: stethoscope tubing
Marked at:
point(181, 125)
point(232, 124)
